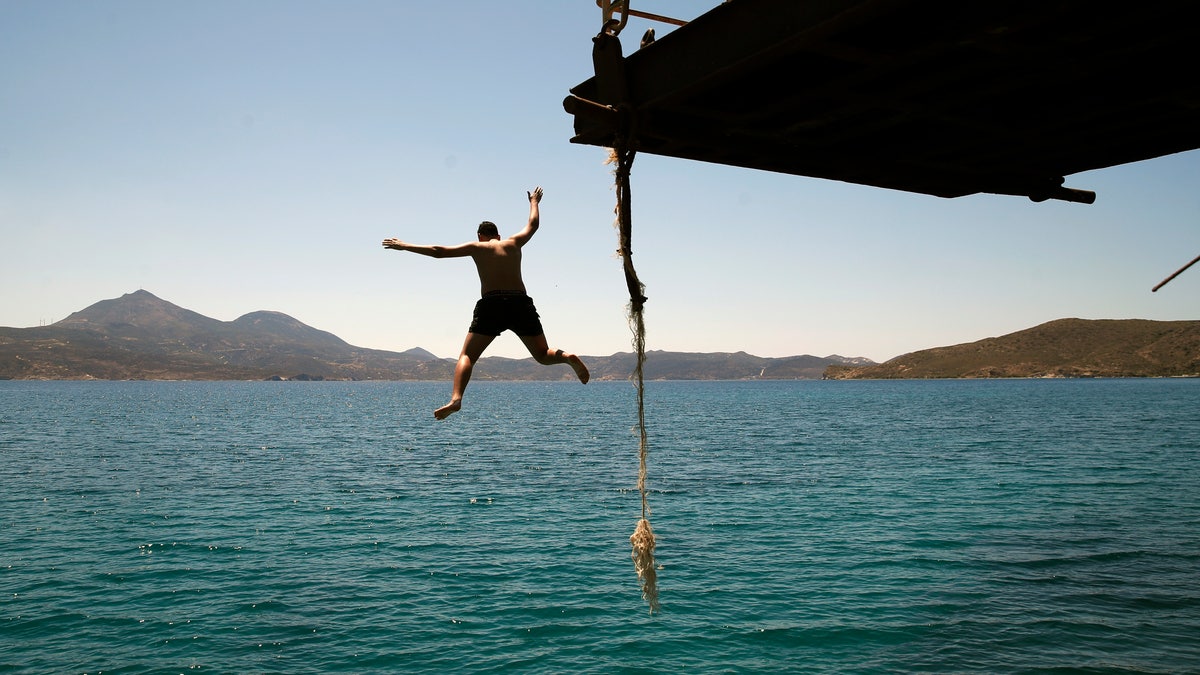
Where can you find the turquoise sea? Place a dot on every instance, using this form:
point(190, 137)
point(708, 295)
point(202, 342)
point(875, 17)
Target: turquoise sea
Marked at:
point(815, 527)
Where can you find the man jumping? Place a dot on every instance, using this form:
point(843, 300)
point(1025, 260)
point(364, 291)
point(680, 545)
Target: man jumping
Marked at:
point(504, 304)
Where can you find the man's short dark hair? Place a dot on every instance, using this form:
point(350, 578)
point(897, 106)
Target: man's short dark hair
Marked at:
point(488, 228)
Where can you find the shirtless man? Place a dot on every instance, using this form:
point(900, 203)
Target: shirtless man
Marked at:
point(504, 305)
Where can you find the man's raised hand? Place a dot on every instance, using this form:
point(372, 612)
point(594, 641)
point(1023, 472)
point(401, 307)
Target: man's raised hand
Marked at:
point(536, 195)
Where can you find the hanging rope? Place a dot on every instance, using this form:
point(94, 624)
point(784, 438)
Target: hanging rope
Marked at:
point(642, 539)
point(612, 87)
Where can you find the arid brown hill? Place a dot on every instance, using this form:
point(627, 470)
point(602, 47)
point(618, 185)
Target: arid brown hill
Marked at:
point(1062, 348)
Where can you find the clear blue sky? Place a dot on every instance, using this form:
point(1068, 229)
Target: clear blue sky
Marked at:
point(237, 156)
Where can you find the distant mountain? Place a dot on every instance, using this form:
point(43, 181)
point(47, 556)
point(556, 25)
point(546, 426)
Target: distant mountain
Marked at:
point(417, 352)
point(1062, 348)
point(662, 365)
point(140, 336)
point(286, 329)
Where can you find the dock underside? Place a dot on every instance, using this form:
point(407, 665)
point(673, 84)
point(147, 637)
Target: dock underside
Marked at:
point(946, 98)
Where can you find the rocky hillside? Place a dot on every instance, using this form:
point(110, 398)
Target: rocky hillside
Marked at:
point(1062, 348)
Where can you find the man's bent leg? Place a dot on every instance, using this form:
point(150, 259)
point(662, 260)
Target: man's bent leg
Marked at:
point(473, 347)
point(541, 352)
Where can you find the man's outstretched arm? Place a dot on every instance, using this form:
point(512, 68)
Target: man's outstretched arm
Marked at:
point(431, 251)
point(535, 198)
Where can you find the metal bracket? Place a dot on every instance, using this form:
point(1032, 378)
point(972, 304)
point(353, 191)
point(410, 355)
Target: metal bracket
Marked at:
point(615, 26)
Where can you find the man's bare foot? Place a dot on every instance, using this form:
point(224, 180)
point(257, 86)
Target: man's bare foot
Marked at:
point(447, 410)
point(581, 370)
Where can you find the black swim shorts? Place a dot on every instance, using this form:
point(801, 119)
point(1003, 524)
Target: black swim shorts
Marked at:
point(497, 312)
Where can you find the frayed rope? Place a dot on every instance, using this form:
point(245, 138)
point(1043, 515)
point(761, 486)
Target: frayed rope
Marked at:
point(642, 539)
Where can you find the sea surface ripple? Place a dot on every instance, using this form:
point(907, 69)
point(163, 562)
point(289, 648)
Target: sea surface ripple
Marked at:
point(872, 527)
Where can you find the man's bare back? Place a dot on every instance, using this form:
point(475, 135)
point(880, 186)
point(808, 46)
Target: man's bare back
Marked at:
point(499, 265)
